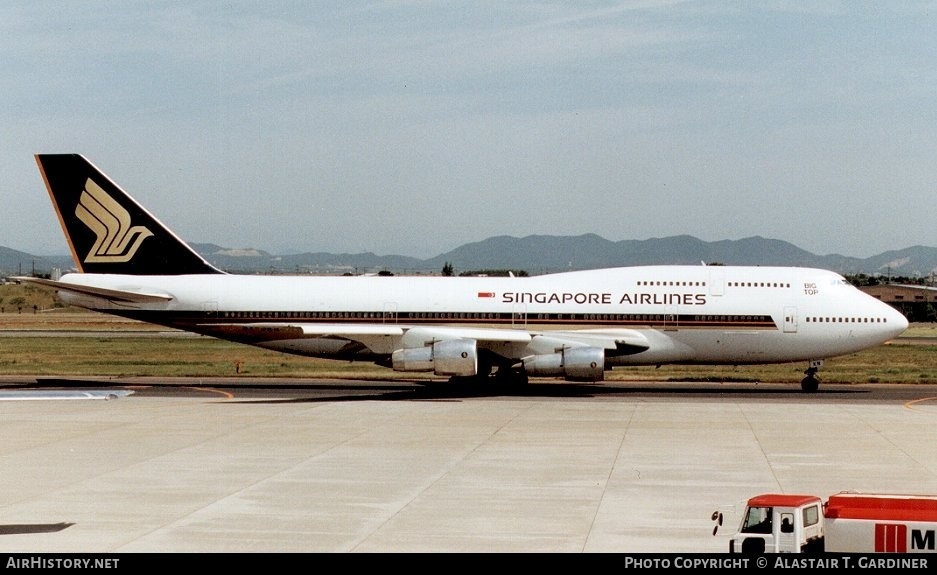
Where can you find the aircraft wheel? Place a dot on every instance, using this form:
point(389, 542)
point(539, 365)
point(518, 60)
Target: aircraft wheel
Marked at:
point(512, 377)
point(468, 379)
point(810, 384)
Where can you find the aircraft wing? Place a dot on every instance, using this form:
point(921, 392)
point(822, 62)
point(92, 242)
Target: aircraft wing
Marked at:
point(364, 333)
point(384, 338)
point(271, 330)
point(112, 295)
point(615, 342)
point(379, 338)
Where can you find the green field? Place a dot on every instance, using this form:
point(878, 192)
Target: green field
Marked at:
point(26, 298)
point(159, 356)
point(207, 357)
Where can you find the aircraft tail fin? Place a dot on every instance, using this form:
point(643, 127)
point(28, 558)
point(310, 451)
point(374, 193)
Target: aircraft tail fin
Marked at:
point(106, 229)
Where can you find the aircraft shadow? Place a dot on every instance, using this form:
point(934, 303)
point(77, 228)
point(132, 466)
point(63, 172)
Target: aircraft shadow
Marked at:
point(439, 390)
point(450, 391)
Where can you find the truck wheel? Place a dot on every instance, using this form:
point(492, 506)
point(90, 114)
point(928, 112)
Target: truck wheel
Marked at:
point(753, 546)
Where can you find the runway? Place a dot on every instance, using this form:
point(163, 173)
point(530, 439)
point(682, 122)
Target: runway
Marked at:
point(286, 465)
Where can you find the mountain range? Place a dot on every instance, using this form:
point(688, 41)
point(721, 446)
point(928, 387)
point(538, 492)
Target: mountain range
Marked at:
point(536, 254)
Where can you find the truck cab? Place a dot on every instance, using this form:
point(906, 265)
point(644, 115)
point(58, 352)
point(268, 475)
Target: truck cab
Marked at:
point(778, 523)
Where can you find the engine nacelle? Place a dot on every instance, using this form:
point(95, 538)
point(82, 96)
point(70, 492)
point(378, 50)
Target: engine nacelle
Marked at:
point(573, 363)
point(449, 357)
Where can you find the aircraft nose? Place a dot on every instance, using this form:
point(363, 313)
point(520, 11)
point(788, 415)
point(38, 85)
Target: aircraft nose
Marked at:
point(897, 322)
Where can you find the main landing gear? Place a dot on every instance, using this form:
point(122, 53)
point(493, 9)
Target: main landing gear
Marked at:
point(499, 374)
point(810, 384)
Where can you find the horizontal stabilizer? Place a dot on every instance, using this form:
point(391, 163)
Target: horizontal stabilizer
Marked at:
point(119, 296)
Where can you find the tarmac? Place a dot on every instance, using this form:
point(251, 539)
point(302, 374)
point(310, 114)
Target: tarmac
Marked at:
point(197, 466)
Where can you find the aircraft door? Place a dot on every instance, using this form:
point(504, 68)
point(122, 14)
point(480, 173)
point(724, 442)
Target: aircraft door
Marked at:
point(390, 312)
point(519, 316)
point(717, 280)
point(209, 309)
point(671, 316)
point(790, 319)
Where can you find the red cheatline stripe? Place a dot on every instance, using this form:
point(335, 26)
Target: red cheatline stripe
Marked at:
point(486, 294)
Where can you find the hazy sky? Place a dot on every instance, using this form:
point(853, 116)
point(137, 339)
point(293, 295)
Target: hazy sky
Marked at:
point(410, 127)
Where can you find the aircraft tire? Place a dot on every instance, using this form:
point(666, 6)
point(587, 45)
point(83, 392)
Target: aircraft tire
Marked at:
point(810, 384)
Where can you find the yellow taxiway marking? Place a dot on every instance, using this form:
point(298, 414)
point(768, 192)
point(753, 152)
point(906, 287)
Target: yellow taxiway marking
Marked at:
point(911, 404)
point(218, 391)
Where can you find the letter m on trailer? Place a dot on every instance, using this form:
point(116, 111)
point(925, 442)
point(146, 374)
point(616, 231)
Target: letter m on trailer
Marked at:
point(922, 539)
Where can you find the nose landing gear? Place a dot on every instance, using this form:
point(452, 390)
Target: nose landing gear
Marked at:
point(810, 384)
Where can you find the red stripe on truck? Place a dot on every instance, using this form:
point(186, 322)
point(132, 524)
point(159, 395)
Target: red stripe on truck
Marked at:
point(882, 507)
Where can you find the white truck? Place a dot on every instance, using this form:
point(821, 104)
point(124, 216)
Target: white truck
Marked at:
point(846, 523)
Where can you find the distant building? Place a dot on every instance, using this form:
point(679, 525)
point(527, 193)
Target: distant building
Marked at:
point(918, 303)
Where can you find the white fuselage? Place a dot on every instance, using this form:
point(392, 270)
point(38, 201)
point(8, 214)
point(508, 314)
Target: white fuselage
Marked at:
point(686, 314)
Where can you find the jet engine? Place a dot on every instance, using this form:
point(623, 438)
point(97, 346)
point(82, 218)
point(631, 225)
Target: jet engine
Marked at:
point(449, 357)
point(573, 363)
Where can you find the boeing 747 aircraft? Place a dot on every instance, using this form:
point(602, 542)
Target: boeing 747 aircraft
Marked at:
point(574, 325)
